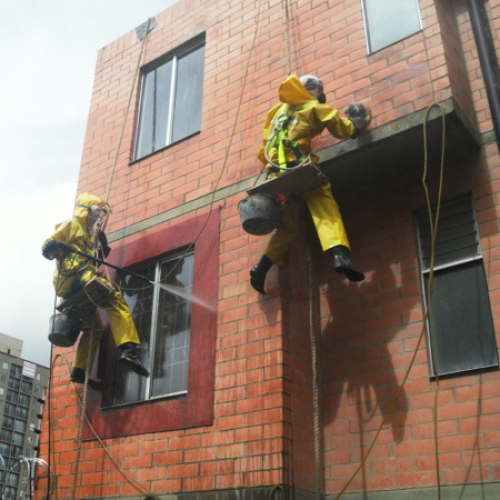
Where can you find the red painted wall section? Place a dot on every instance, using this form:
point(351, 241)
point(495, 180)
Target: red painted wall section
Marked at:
point(195, 409)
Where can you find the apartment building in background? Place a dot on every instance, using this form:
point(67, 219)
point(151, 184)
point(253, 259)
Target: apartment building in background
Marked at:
point(23, 387)
point(323, 388)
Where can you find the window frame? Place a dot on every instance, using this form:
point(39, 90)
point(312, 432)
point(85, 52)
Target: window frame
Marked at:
point(196, 408)
point(174, 55)
point(458, 265)
point(157, 263)
point(366, 24)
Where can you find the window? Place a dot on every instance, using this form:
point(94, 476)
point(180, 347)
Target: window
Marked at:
point(388, 21)
point(179, 393)
point(171, 99)
point(461, 331)
point(163, 321)
point(5, 365)
point(14, 384)
point(16, 371)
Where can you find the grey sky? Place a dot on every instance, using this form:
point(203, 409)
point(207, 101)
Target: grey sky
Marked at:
point(49, 49)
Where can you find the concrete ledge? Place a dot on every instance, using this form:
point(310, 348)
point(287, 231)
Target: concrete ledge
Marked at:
point(379, 154)
point(397, 148)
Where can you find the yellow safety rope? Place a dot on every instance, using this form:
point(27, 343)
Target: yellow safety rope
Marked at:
point(434, 226)
point(83, 412)
point(318, 463)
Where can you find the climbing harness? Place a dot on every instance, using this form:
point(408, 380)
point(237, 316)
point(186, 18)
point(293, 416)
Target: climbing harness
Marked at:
point(280, 141)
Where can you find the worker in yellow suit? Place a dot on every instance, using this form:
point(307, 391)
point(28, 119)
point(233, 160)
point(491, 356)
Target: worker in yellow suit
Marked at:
point(289, 128)
point(83, 233)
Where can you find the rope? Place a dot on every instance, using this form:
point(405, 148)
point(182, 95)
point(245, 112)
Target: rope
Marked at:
point(83, 411)
point(434, 227)
point(228, 150)
point(286, 4)
point(426, 316)
point(315, 381)
point(139, 487)
point(127, 110)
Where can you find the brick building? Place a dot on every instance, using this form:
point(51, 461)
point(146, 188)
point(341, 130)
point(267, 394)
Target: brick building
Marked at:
point(324, 387)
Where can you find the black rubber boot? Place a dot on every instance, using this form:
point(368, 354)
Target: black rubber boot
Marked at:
point(258, 274)
point(129, 353)
point(343, 265)
point(77, 375)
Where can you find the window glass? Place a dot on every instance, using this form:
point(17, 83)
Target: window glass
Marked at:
point(26, 387)
point(24, 400)
point(187, 111)
point(162, 315)
point(5, 435)
point(14, 384)
point(388, 21)
point(22, 412)
point(174, 314)
point(10, 409)
point(20, 425)
point(17, 438)
point(171, 99)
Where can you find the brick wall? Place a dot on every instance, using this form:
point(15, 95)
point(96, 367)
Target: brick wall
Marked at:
point(263, 429)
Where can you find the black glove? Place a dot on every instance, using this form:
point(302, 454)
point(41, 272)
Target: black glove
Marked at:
point(105, 248)
point(54, 248)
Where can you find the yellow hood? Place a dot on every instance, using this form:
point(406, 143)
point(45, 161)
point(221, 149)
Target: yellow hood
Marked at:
point(293, 93)
point(83, 204)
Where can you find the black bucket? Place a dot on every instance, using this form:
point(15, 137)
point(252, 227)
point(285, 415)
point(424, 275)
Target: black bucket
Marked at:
point(259, 213)
point(64, 330)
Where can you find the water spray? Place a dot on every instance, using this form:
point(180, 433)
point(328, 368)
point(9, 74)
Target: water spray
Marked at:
point(64, 247)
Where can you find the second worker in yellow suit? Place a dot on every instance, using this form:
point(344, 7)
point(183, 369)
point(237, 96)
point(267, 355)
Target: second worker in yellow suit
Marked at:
point(304, 115)
point(82, 232)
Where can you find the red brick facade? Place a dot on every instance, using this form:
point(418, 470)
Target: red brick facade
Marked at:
point(262, 431)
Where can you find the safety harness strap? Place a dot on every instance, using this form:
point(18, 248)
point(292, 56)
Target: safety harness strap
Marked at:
point(280, 139)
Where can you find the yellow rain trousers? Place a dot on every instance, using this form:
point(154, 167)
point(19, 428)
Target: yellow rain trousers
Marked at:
point(326, 218)
point(74, 232)
point(308, 119)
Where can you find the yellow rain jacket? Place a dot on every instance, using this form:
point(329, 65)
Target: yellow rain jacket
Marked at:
point(308, 118)
point(74, 232)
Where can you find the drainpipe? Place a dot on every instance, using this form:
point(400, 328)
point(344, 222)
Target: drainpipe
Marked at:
point(487, 58)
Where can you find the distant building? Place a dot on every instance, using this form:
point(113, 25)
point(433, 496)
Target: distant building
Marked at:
point(23, 387)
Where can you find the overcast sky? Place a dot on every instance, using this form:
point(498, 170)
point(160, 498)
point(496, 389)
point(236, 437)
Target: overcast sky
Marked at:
point(49, 49)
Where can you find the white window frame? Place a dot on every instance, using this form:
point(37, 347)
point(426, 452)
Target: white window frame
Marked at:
point(370, 50)
point(174, 57)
